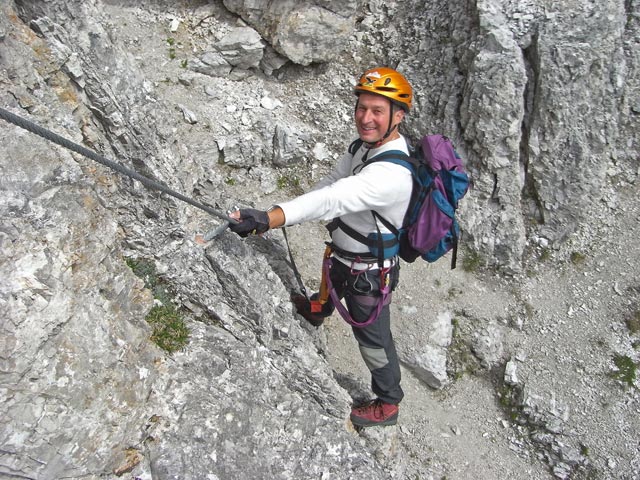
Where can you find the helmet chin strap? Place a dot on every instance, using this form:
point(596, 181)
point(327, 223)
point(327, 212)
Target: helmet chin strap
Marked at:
point(377, 143)
point(390, 130)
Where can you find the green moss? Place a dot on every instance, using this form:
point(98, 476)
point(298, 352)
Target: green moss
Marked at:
point(169, 330)
point(633, 323)
point(626, 369)
point(146, 270)
point(545, 255)
point(577, 258)
point(510, 398)
point(529, 311)
point(286, 181)
point(472, 261)
point(453, 292)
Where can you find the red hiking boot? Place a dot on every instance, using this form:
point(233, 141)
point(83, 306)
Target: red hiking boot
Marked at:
point(375, 413)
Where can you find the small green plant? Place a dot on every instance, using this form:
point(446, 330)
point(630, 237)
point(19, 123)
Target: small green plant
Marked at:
point(545, 255)
point(169, 330)
point(285, 181)
point(626, 369)
point(584, 450)
point(172, 50)
point(577, 258)
point(471, 262)
point(508, 399)
point(230, 181)
point(453, 292)
point(184, 63)
point(146, 270)
point(529, 311)
point(633, 323)
point(282, 182)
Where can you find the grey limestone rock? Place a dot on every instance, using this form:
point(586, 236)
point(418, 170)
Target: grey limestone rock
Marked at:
point(541, 101)
point(304, 32)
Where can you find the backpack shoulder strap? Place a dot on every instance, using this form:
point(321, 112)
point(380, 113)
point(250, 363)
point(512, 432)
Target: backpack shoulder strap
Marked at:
point(398, 157)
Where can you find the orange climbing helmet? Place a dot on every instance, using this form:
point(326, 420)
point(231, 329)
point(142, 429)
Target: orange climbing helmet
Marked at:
point(388, 83)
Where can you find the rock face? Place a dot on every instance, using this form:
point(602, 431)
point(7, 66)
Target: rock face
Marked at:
point(76, 360)
point(506, 89)
point(84, 391)
point(229, 105)
point(304, 32)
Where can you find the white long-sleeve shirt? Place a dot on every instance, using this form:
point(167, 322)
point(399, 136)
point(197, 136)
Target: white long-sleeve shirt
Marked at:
point(381, 186)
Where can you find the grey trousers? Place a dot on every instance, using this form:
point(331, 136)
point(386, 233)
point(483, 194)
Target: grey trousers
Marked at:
point(359, 290)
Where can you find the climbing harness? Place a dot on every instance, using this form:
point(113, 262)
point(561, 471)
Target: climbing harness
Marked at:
point(328, 293)
point(383, 298)
point(147, 182)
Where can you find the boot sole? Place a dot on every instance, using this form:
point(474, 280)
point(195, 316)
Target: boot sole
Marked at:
point(360, 422)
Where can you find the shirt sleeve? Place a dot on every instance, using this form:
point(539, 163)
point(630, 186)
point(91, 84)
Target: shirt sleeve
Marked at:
point(378, 185)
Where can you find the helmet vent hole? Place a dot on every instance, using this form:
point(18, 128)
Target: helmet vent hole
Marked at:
point(387, 89)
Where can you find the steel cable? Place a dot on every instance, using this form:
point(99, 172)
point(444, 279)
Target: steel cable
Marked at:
point(147, 182)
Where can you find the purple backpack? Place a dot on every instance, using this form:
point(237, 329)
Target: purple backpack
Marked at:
point(430, 228)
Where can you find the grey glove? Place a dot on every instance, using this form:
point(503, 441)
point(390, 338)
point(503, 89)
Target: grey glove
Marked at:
point(252, 222)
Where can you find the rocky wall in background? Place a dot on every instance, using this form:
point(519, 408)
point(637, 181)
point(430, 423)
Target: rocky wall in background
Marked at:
point(304, 32)
point(228, 102)
point(540, 99)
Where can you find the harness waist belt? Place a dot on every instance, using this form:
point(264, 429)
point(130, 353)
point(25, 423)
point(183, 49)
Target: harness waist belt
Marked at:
point(364, 257)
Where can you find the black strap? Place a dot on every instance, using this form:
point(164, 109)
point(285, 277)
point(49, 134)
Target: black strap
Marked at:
point(355, 146)
point(338, 223)
point(296, 272)
point(454, 254)
point(390, 226)
point(393, 154)
point(454, 249)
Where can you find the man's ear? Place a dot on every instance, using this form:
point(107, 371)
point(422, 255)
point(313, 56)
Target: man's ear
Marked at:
point(399, 114)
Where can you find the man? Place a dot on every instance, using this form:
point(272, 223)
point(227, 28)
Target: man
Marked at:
point(349, 195)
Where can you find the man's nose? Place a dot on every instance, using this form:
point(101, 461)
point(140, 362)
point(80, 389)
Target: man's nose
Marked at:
point(366, 116)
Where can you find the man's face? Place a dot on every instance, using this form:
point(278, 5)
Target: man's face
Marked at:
point(372, 117)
